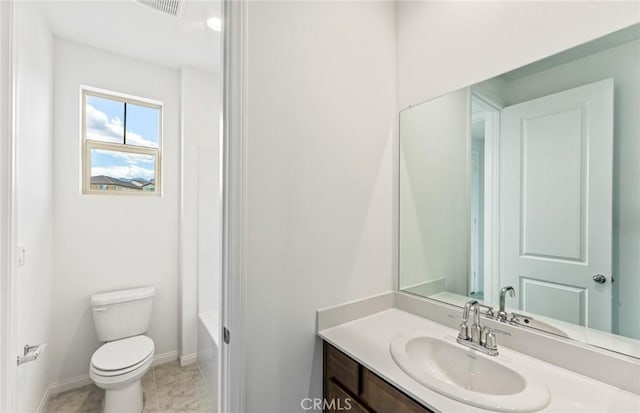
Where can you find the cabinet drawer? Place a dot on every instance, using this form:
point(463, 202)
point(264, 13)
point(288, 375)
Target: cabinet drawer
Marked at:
point(341, 368)
point(338, 401)
point(383, 397)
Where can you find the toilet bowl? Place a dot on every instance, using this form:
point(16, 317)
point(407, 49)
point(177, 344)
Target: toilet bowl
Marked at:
point(118, 367)
point(121, 318)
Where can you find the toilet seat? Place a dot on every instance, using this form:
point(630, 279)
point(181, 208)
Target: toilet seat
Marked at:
point(114, 373)
point(120, 379)
point(120, 357)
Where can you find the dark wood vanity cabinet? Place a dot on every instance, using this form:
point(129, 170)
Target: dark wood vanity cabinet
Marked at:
point(351, 387)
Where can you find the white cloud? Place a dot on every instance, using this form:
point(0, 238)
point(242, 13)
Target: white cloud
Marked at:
point(101, 128)
point(129, 157)
point(138, 140)
point(126, 172)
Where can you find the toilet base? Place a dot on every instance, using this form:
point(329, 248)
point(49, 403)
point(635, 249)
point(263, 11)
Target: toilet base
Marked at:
point(127, 399)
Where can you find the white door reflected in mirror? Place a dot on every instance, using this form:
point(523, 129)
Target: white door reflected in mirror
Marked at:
point(556, 177)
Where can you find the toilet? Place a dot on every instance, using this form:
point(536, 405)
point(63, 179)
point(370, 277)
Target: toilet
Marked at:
point(121, 318)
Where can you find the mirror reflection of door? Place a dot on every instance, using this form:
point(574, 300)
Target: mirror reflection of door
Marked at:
point(556, 203)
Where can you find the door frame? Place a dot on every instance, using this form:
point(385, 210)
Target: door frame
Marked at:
point(474, 250)
point(491, 117)
point(8, 230)
point(234, 213)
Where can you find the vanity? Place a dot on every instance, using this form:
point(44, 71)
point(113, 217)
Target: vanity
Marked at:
point(361, 371)
point(351, 386)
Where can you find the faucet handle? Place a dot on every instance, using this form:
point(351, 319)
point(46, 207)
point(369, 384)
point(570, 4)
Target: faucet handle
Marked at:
point(489, 310)
point(463, 334)
point(490, 341)
point(488, 337)
point(488, 331)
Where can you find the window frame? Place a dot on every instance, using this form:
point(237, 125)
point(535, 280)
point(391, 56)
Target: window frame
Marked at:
point(89, 144)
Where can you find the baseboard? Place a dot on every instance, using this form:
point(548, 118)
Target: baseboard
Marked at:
point(70, 384)
point(81, 381)
point(164, 358)
point(42, 407)
point(188, 359)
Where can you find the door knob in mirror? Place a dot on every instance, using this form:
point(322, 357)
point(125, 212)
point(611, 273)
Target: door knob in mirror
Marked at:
point(599, 278)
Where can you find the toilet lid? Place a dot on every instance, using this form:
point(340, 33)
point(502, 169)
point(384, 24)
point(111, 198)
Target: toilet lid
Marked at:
point(121, 354)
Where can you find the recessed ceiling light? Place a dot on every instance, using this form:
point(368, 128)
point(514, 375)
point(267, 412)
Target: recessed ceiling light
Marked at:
point(214, 23)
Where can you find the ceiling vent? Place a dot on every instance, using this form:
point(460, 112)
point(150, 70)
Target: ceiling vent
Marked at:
point(170, 7)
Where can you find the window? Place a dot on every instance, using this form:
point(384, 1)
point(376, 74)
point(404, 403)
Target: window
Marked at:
point(122, 140)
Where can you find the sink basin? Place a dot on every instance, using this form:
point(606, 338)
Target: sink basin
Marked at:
point(468, 376)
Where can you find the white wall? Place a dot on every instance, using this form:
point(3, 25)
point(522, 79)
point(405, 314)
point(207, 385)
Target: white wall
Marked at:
point(320, 104)
point(209, 205)
point(34, 58)
point(445, 45)
point(6, 236)
point(621, 63)
point(321, 155)
point(107, 242)
point(200, 225)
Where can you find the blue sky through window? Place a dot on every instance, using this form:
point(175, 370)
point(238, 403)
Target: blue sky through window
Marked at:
point(105, 122)
point(144, 122)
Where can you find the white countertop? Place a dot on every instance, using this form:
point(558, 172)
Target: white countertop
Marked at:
point(367, 340)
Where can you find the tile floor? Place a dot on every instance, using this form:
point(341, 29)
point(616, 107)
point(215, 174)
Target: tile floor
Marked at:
point(168, 388)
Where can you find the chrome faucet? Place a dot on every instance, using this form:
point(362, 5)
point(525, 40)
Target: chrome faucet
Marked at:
point(479, 338)
point(502, 314)
point(470, 333)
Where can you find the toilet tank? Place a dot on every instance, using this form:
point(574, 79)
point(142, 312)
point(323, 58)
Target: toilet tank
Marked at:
point(123, 313)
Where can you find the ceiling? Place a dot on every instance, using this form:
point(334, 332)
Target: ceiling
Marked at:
point(128, 28)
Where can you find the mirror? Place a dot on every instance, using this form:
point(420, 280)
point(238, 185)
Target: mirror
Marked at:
point(531, 180)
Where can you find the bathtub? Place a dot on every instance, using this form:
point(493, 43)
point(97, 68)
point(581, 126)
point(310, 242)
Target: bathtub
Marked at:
point(208, 340)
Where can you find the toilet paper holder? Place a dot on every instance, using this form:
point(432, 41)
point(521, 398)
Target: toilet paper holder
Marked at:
point(31, 353)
